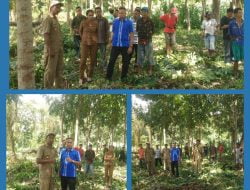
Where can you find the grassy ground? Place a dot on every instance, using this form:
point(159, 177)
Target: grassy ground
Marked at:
point(214, 176)
point(23, 175)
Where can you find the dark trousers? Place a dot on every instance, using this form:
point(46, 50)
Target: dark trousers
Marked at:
point(134, 51)
point(77, 41)
point(115, 52)
point(158, 161)
point(174, 168)
point(68, 182)
point(142, 163)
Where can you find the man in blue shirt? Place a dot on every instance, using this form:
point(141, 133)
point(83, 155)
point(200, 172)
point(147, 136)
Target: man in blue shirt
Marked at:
point(69, 160)
point(122, 43)
point(175, 157)
point(236, 33)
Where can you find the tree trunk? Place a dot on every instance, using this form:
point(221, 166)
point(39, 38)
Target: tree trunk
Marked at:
point(149, 134)
point(204, 5)
point(149, 6)
point(187, 16)
point(91, 4)
point(216, 10)
point(69, 7)
point(25, 68)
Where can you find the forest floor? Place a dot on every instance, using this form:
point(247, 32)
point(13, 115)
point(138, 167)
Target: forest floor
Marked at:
point(23, 175)
point(189, 67)
point(214, 176)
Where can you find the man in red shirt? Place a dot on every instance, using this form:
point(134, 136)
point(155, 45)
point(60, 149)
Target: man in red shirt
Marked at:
point(141, 154)
point(170, 21)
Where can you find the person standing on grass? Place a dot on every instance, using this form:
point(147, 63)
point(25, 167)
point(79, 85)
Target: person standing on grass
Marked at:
point(224, 25)
point(236, 33)
point(75, 25)
point(197, 156)
point(81, 152)
point(158, 160)
point(122, 43)
point(209, 27)
point(166, 158)
point(89, 35)
point(145, 29)
point(220, 151)
point(103, 36)
point(46, 158)
point(89, 158)
point(150, 159)
point(109, 163)
point(53, 48)
point(175, 158)
point(134, 19)
point(70, 159)
point(170, 20)
point(141, 155)
point(105, 149)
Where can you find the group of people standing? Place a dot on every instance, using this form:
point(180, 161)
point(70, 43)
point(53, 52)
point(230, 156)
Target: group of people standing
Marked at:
point(70, 162)
point(232, 26)
point(93, 34)
point(170, 157)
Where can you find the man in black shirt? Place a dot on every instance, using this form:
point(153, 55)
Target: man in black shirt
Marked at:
point(224, 26)
point(75, 25)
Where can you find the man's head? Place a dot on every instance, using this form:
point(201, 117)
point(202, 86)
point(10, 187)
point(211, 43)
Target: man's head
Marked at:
point(111, 148)
point(122, 12)
point(69, 143)
point(50, 138)
point(166, 145)
point(55, 7)
point(78, 11)
point(80, 145)
point(144, 12)
point(140, 145)
point(238, 13)
point(98, 12)
point(105, 145)
point(90, 13)
point(111, 10)
point(116, 13)
point(198, 141)
point(157, 146)
point(137, 12)
point(208, 15)
point(173, 11)
point(148, 145)
point(230, 12)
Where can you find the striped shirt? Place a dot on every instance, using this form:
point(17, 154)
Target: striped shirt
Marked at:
point(68, 169)
point(135, 32)
point(121, 30)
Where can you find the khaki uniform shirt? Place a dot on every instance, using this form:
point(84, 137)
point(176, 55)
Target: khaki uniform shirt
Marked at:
point(89, 31)
point(45, 152)
point(166, 154)
point(149, 154)
point(197, 152)
point(52, 27)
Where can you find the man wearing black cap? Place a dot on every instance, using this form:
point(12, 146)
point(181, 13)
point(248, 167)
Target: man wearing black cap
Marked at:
point(46, 158)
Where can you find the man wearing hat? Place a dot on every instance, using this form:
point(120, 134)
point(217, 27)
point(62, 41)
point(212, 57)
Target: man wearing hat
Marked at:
point(46, 158)
point(197, 156)
point(150, 159)
point(170, 21)
point(53, 48)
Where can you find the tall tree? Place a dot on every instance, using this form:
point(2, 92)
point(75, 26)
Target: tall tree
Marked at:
point(216, 10)
point(25, 62)
point(187, 15)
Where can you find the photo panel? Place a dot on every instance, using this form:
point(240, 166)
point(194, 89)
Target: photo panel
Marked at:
point(57, 141)
point(183, 141)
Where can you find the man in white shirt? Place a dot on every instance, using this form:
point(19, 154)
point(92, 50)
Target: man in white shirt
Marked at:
point(209, 27)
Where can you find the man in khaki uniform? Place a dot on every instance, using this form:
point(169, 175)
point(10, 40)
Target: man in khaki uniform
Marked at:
point(46, 158)
point(197, 156)
point(166, 157)
point(53, 48)
point(150, 159)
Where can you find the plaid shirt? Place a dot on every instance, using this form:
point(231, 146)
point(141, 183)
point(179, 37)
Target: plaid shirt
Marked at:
point(145, 29)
